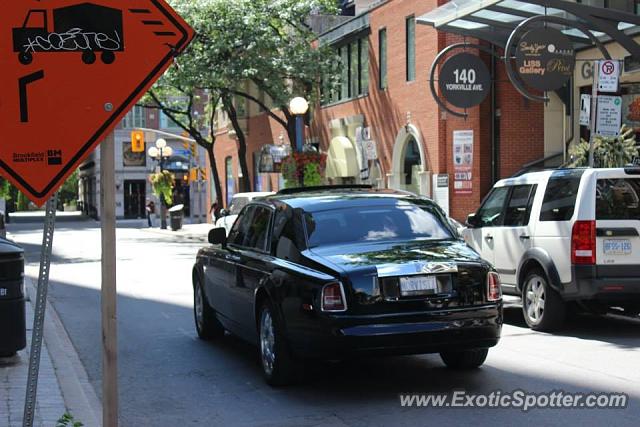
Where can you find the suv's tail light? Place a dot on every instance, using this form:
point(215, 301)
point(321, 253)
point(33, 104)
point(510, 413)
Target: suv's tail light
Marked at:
point(333, 298)
point(494, 291)
point(583, 242)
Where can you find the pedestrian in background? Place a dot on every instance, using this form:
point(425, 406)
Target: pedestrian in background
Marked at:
point(151, 210)
point(215, 210)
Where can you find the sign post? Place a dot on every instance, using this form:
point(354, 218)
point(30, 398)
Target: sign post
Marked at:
point(76, 65)
point(594, 111)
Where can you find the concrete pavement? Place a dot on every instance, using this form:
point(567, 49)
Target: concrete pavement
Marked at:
point(63, 385)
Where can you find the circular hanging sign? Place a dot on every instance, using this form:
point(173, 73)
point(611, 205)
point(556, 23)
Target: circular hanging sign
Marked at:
point(545, 59)
point(464, 80)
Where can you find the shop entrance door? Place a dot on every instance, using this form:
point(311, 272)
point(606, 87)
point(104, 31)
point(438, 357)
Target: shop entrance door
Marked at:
point(134, 198)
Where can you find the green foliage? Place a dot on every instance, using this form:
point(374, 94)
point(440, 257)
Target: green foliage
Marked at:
point(266, 42)
point(608, 152)
point(309, 166)
point(22, 204)
point(6, 189)
point(312, 175)
point(68, 193)
point(67, 420)
point(162, 184)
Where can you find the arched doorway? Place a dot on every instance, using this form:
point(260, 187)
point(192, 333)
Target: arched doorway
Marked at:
point(409, 167)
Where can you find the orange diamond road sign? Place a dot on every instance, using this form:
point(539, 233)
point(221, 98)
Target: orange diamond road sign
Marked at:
point(70, 71)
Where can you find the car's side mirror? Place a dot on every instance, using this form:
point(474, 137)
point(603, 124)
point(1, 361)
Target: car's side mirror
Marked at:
point(218, 236)
point(473, 221)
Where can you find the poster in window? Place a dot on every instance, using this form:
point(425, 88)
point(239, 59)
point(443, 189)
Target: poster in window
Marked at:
point(131, 159)
point(463, 161)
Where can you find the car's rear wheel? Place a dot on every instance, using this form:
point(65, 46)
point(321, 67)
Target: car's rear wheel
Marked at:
point(207, 325)
point(465, 359)
point(542, 306)
point(278, 366)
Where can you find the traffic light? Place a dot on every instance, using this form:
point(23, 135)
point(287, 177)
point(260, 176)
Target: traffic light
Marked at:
point(137, 141)
point(203, 173)
point(193, 174)
point(185, 145)
point(194, 150)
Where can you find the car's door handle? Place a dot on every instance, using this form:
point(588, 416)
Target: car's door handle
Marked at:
point(524, 237)
point(232, 258)
point(488, 237)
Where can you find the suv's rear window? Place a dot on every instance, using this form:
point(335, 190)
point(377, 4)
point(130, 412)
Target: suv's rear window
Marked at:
point(618, 199)
point(560, 196)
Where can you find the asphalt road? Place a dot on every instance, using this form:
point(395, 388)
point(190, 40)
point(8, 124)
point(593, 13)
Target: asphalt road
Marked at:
point(168, 377)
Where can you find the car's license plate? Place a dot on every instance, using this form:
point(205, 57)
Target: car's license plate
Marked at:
point(418, 285)
point(617, 247)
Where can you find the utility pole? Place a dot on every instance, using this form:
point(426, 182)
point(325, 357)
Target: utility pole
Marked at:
point(594, 110)
point(109, 292)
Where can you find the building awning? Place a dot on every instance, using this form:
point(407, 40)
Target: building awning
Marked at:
point(494, 20)
point(342, 159)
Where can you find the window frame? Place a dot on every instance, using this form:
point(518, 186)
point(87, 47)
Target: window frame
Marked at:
point(576, 176)
point(382, 59)
point(268, 237)
point(410, 48)
point(533, 188)
point(504, 206)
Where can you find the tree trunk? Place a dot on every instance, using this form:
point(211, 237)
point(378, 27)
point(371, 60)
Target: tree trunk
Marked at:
point(245, 183)
point(214, 173)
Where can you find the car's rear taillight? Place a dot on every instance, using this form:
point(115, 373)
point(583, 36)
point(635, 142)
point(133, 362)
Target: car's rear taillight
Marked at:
point(494, 291)
point(583, 243)
point(333, 298)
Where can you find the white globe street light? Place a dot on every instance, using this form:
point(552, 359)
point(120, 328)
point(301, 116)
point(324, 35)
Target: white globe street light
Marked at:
point(161, 143)
point(153, 152)
point(298, 106)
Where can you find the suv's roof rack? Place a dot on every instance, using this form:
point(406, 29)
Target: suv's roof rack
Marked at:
point(297, 190)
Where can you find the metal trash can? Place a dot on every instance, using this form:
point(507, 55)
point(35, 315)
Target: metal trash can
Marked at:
point(176, 214)
point(13, 335)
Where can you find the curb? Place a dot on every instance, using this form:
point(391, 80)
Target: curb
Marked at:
point(78, 393)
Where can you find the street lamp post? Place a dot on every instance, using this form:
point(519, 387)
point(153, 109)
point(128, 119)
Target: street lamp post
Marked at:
point(160, 152)
point(299, 106)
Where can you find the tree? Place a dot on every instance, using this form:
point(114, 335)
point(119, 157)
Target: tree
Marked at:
point(270, 44)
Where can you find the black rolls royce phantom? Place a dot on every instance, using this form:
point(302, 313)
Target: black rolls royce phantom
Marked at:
point(336, 272)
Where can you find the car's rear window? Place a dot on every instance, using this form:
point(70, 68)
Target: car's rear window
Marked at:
point(399, 222)
point(618, 199)
point(560, 196)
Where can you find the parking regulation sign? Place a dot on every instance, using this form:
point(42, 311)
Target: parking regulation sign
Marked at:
point(71, 70)
point(608, 75)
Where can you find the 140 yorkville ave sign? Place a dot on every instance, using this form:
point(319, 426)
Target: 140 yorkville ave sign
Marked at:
point(70, 72)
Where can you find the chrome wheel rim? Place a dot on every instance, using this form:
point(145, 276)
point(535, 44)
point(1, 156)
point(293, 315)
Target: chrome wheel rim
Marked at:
point(535, 299)
point(267, 342)
point(199, 306)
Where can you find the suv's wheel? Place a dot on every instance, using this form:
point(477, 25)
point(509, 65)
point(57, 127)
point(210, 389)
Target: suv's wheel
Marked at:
point(542, 306)
point(278, 366)
point(207, 325)
point(464, 359)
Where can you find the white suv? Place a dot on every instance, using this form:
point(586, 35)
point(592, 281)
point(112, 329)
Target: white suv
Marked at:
point(567, 235)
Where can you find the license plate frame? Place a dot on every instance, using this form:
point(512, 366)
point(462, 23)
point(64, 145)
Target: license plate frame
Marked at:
point(419, 285)
point(617, 247)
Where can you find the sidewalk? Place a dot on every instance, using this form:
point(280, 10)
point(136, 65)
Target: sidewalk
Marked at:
point(63, 385)
point(194, 232)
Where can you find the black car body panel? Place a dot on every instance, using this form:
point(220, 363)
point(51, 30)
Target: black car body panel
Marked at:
point(378, 320)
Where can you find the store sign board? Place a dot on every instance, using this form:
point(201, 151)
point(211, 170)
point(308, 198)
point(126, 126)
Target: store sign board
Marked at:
point(609, 115)
point(585, 110)
point(545, 59)
point(464, 80)
point(608, 76)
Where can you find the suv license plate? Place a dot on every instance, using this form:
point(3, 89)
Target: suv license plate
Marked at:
point(617, 247)
point(418, 285)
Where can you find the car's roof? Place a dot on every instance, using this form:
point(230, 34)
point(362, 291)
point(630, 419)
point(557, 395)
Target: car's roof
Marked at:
point(338, 197)
point(540, 176)
point(253, 194)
